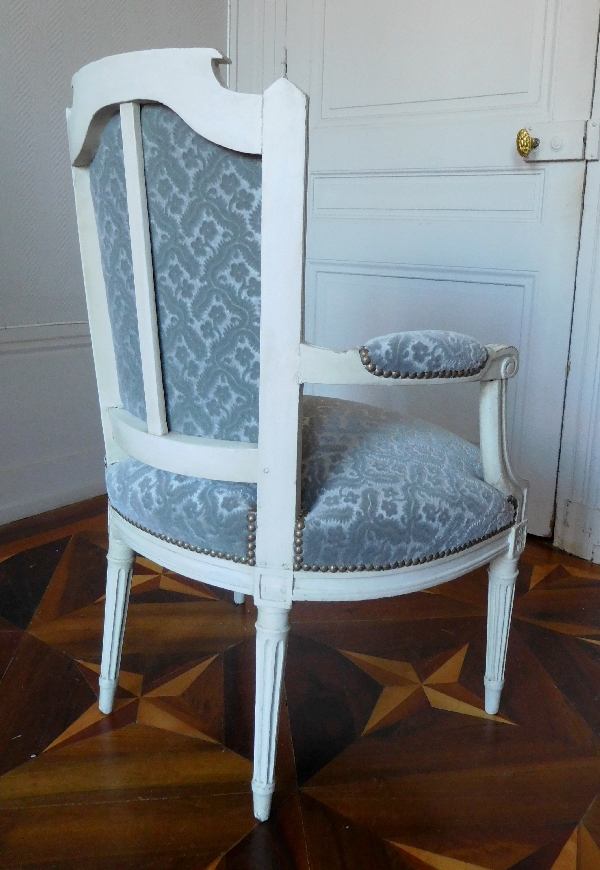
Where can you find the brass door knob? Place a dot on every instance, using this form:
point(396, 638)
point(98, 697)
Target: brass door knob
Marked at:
point(526, 143)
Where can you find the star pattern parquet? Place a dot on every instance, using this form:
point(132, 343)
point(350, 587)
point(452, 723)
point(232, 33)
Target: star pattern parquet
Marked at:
point(387, 759)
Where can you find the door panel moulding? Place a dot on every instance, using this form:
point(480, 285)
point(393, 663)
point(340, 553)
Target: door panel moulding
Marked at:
point(459, 195)
point(442, 91)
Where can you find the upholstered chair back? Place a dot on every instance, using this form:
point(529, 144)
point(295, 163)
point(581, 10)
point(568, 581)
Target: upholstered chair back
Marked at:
point(204, 209)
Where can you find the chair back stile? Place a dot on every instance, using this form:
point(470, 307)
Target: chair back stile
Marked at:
point(282, 258)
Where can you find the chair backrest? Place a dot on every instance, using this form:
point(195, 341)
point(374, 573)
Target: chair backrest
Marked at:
point(190, 202)
point(203, 204)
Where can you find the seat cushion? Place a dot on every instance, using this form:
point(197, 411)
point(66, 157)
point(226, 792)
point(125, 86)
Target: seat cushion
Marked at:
point(381, 490)
point(378, 490)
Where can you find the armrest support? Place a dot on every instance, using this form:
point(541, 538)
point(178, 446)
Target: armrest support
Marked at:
point(497, 469)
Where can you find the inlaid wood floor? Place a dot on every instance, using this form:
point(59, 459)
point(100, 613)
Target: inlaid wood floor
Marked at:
point(386, 757)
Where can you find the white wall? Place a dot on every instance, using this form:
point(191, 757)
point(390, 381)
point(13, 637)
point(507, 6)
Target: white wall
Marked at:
point(50, 440)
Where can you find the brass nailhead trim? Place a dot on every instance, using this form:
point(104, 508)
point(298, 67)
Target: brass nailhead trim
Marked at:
point(389, 566)
point(299, 565)
point(248, 559)
point(365, 358)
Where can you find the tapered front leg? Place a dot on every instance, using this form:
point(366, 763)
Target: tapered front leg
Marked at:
point(118, 584)
point(272, 629)
point(503, 574)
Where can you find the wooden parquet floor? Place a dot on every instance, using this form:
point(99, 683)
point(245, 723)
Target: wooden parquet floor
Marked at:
point(387, 760)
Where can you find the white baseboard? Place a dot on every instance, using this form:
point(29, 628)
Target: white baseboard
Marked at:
point(27, 490)
point(578, 530)
point(52, 452)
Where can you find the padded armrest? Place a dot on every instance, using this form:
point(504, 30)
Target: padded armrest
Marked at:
point(424, 354)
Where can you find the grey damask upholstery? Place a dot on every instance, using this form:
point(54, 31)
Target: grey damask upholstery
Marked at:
point(107, 180)
point(377, 490)
point(426, 352)
point(204, 514)
point(204, 205)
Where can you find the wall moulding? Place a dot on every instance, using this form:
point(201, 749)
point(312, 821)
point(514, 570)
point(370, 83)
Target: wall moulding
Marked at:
point(36, 337)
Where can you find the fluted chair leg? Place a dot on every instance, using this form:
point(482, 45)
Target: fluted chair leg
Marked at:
point(503, 574)
point(118, 584)
point(272, 629)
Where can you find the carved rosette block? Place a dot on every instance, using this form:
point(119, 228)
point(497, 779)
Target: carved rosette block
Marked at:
point(272, 629)
point(118, 585)
point(503, 574)
point(517, 540)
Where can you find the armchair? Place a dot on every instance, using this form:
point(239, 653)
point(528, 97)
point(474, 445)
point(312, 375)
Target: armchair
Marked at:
point(190, 205)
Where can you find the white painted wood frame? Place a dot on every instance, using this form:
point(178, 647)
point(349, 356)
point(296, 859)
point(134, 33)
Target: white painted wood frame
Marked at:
point(274, 126)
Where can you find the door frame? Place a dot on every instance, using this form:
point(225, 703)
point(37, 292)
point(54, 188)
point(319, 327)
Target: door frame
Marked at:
point(252, 26)
point(577, 525)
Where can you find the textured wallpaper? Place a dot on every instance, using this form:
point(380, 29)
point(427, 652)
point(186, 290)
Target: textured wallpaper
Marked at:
point(42, 43)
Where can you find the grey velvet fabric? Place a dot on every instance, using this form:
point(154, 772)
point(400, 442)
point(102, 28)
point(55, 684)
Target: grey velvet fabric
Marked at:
point(202, 513)
point(376, 489)
point(426, 351)
point(107, 181)
point(204, 204)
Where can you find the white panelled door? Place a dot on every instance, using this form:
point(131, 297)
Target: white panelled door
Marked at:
point(421, 213)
